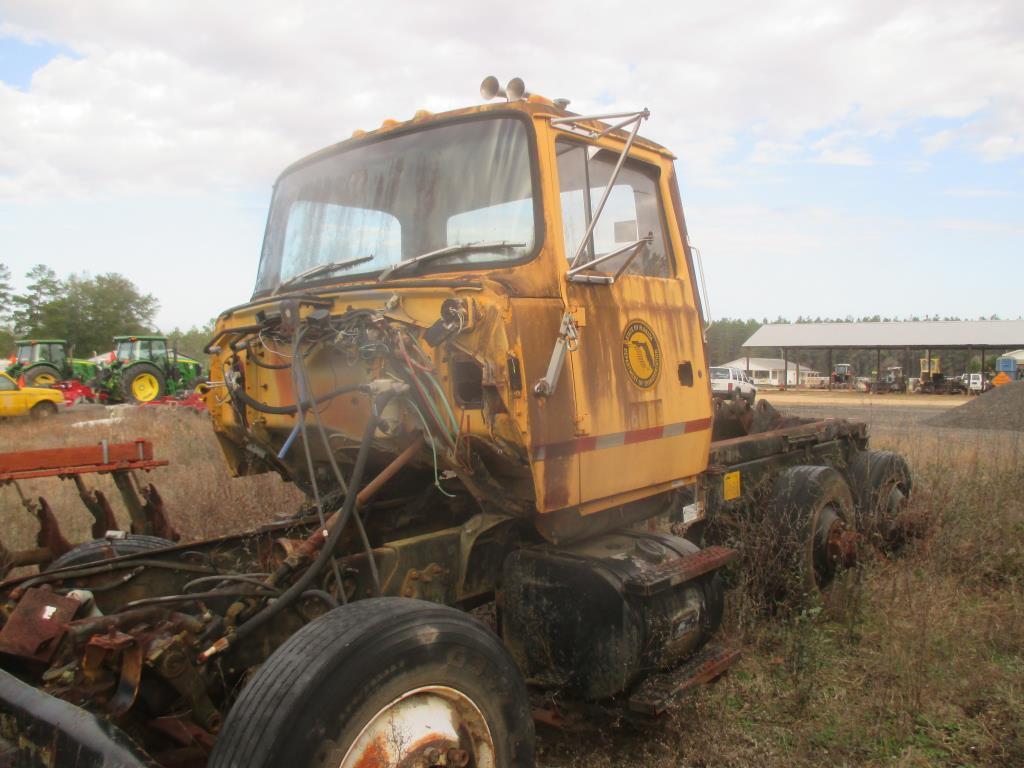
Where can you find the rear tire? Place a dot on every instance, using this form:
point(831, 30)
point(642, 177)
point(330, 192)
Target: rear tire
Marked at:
point(340, 689)
point(98, 550)
point(881, 484)
point(813, 512)
point(43, 410)
point(143, 383)
point(42, 376)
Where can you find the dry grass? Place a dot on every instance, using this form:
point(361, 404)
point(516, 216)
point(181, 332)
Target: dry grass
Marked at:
point(201, 499)
point(921, 665)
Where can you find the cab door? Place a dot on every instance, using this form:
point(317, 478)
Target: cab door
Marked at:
point(642, 405)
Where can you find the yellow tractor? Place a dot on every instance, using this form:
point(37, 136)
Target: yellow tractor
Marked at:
point(476, 343)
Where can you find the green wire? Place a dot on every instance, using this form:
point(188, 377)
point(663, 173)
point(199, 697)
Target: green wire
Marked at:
point(433, 447)
point(444, 399)
point(434, 412)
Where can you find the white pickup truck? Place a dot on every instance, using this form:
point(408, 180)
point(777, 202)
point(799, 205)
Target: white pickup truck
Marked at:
point(732, 384)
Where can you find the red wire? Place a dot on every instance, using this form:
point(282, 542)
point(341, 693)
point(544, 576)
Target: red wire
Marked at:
point(423, 394)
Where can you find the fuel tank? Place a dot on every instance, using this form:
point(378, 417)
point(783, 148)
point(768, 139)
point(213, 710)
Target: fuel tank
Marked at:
point(591, 618)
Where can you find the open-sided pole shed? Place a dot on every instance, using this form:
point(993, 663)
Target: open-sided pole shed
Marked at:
point(929, 335)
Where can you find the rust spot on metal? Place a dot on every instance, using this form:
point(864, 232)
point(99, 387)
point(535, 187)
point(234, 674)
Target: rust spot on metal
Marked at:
point(842, 545)
point(36, 625)
point(375, 755)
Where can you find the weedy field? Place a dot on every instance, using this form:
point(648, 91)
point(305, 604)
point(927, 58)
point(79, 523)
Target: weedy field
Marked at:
point(918, 662)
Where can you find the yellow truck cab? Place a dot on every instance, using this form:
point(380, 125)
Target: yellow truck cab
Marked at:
point(37, 402)
point(547, 252)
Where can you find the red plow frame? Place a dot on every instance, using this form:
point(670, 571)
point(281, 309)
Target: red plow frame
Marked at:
point(119, 460)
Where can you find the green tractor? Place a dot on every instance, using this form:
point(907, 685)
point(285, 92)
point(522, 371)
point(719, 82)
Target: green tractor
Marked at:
point(144, 369)
point(45, 362)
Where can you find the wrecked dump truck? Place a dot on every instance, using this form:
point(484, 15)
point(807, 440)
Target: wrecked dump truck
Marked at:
point(476, 344)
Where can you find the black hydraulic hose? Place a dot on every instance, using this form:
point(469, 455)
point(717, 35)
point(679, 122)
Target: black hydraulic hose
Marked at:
point(301, 386)
point(109, 567)
point(286, 410)
point(230, 331)
point(269, 366)
point(300, 370)
point(192, 597)
point(327, 552)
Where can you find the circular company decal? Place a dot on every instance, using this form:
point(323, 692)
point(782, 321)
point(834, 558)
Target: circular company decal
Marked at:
point(641, 354)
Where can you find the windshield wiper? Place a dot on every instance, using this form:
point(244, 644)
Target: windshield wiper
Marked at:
point(449, 251)
point(323, 269)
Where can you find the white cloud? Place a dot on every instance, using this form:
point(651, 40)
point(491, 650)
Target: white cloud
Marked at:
point(774, 152)
point(208, 101)
point(840, 149)
point(199, 94)
point(1001, 147)
point(977, 192)
point(936, 142)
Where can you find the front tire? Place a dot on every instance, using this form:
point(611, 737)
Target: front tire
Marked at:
point(384, 681)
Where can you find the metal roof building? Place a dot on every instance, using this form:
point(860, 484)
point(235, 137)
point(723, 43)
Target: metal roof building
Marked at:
point(924, 334)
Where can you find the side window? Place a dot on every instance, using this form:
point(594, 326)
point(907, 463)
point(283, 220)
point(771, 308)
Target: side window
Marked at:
point(57, 354)
point(159, 349)
point(6, 385)
point(632, 210)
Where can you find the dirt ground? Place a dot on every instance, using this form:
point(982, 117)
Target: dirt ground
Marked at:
point(919, 663)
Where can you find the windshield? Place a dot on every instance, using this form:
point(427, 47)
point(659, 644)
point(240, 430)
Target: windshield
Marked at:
point(382, 203)
point(25, 353)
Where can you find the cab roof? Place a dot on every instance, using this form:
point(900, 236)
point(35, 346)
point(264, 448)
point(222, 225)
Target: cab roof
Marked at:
point(21, 342)
point(533, 106)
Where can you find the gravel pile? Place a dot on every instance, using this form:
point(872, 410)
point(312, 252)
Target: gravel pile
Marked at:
point(1000, 408)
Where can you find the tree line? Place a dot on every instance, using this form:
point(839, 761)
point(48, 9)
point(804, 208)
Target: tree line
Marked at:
point(88, 311)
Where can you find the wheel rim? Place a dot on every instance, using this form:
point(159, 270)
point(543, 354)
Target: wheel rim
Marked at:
point(833, 546)
point(44, 380)
point(429, 726)
point(145, 387)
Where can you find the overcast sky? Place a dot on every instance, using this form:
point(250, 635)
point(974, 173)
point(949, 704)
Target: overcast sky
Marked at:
point(837, 158)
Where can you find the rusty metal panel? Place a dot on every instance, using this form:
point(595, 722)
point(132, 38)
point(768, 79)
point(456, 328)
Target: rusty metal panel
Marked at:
point(54, 462)
point(36, 625)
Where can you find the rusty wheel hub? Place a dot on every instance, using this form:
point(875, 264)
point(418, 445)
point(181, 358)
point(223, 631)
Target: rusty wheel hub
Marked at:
point(424, 728)
point(842, 545)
